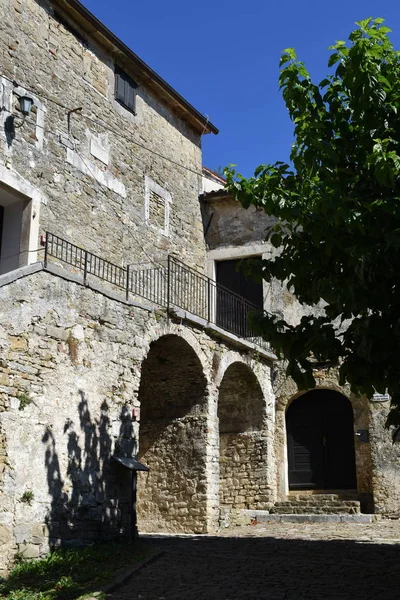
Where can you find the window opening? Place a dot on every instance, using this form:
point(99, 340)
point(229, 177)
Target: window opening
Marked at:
point(125, 90)
point(232, 312)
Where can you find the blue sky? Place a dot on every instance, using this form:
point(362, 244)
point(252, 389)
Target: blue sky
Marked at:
point(223, 57)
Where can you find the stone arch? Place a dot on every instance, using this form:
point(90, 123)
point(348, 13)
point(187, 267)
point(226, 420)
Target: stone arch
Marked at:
point(288, 393)
point(226, 360)
point(242, 439)
point(168, 328)
point(172, 438)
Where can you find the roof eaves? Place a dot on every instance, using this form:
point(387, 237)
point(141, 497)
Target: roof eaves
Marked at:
point(216, 195)
point(214, 175)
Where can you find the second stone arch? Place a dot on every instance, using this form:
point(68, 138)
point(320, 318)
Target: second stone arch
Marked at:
point(243, 452)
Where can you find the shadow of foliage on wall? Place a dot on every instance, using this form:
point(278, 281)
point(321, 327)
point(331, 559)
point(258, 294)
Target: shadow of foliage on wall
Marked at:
point(91, 494)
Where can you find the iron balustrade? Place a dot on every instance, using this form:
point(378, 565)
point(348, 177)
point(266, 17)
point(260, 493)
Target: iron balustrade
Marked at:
point(173, 285)
point(199, 295)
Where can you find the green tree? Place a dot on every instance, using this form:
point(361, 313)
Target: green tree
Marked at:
point(338, 215)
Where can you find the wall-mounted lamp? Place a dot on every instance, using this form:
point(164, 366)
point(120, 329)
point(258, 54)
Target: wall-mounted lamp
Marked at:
point(25, 104)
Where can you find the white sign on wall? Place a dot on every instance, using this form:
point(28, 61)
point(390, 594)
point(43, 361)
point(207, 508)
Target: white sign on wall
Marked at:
point(380, 397)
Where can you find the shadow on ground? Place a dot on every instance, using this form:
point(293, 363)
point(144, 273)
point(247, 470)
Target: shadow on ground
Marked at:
point(225, 568)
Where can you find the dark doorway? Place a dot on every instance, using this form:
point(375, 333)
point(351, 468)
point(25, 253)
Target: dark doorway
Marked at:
point(238, 294)
point(321, 442)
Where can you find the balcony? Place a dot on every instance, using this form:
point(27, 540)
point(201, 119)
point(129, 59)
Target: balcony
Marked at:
point(175, 286)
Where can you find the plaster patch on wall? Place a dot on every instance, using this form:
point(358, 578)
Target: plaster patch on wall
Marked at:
point(89, 168)
point(99, 148)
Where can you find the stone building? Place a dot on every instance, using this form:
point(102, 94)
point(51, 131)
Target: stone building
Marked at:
point(112, 341)
point(326, 440)
point(123, 325)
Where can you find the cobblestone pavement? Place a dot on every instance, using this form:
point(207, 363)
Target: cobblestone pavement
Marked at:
point(274, 562)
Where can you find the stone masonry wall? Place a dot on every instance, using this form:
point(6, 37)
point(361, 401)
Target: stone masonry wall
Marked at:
point(385, 458)
point(173, 434)
point(243, 481)
point(231, 225)
point(71, 363)
point(91, 176)
point(243, 442)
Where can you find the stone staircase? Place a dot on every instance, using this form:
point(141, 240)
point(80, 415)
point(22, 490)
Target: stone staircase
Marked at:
point(338, 507)
point(318, 504)
point(306, 507)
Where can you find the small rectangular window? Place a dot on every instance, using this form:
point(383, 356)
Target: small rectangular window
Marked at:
point(125, 90)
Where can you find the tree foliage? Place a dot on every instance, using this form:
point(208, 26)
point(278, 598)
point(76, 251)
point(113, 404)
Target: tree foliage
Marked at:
point(338, 215)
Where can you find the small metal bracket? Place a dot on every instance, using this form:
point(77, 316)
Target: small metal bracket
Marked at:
point(69, 113)
point(362, 436)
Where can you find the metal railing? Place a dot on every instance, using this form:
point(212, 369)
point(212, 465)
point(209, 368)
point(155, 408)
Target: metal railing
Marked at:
point(174, 284)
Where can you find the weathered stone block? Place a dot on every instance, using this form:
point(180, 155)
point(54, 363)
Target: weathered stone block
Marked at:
point(5, 535)
point(29, 551)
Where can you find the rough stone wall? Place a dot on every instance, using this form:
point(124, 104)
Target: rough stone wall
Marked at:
point(243, 481)
point(173, 434)
point(67, 388)
point(385, 458)
point(231, 225)
point(72, 362)
point(92, 176)
point(243, 442)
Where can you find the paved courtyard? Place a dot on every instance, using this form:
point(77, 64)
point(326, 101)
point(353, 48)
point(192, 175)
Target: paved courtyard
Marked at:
point(274, 562)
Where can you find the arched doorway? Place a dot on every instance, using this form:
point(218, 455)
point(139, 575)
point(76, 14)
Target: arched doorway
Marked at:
point(172, 439)
point(320, 436)
point(242, 440)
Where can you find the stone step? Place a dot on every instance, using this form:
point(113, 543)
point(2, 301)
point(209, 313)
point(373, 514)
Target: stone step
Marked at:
point(263, 516)
point(317, 504)
point(321, 498)
point(328, 510)
point(325, 503)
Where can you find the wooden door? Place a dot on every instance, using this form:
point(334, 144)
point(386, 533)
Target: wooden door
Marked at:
point(321, 442)
point(231, 311)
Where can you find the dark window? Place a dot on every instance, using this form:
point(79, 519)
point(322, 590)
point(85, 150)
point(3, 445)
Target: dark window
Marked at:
point(232, 311)
point(125, 90)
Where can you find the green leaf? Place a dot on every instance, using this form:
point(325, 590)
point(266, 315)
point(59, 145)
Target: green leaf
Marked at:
point(303, 71)
point(333, 59)
point(284, 59)
point(290, 52)
point(364, 24)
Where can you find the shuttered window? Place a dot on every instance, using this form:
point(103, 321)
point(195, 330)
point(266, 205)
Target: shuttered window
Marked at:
point(125, 90)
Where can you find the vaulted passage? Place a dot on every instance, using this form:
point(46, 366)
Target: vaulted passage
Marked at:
point(172, 393)
point(321, 442)
point(242, 439)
